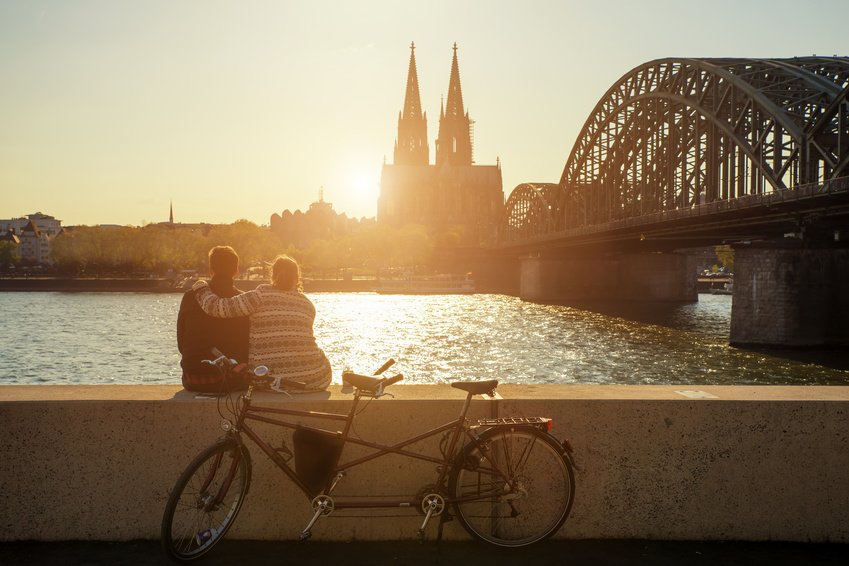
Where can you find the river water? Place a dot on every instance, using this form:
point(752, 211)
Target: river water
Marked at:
point(130, 338)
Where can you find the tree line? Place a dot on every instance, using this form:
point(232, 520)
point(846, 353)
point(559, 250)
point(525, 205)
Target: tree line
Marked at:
point(166, 250)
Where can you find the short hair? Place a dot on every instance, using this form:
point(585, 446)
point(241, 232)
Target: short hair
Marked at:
point(285, 274)
point(224, 261)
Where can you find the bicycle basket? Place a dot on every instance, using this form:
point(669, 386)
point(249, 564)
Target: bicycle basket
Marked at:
point(315, 456)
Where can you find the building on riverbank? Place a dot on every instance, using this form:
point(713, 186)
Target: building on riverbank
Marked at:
point(319, 222)
point(34, 235)
point(453, 193)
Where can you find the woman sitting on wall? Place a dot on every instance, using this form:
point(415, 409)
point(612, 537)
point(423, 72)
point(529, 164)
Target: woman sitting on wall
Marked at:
point(281, 332)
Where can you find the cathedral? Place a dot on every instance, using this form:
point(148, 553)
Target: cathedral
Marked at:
point(452, 194)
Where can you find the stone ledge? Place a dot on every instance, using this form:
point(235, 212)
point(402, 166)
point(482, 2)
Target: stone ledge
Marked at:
point(746, 463)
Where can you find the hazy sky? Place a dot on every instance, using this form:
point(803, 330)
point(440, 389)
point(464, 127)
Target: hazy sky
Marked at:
point(110, 109)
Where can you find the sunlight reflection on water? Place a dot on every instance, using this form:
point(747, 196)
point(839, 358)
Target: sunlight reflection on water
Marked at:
point(440, 339)
point(131, 338)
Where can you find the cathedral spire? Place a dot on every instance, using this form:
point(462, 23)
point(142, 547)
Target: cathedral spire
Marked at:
point(171, 214)
point(454, 143)
point(411, 146)
point(412, 100)
point(454, 107)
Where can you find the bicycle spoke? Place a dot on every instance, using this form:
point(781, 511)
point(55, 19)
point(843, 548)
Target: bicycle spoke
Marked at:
point(205, 501)
point(527, 505)
point(523, 459)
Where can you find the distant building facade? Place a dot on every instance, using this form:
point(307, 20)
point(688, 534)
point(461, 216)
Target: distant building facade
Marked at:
point(34, 234)
point(320, 222)
point(450, 193)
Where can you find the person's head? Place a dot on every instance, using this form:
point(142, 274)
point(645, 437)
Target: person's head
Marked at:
point(285, 274)
point(224, 261)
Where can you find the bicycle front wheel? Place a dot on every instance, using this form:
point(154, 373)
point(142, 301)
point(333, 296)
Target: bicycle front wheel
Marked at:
point(206, 501)
point(516, 486)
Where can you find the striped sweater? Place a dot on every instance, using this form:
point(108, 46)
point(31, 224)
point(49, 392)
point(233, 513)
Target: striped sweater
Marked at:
point(281, 334)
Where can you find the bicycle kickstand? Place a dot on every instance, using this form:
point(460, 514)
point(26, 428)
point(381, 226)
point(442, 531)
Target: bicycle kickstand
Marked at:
point(446, 517)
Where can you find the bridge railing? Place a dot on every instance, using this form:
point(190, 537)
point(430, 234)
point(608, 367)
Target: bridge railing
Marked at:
point(747, 202)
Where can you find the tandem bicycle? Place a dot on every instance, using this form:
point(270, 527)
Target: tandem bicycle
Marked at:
point(508, 481)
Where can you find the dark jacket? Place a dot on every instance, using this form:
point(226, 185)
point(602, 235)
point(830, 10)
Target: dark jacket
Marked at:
point(198, 332)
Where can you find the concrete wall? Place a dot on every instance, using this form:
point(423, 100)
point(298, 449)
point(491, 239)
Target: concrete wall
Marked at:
point(640, 277)
point(656, 462)
point(789, 295)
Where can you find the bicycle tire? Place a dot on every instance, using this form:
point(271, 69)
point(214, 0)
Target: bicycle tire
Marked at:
point(191, 526)
point(536, 466)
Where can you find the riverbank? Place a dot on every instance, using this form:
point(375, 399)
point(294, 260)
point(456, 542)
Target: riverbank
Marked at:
point(160, 285)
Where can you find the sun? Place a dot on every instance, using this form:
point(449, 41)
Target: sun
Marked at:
point(356, 190)
point(362, 185)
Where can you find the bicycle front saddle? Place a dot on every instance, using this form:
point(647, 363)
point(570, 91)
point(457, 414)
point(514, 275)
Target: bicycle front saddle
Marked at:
point(368, 383)
point(476, 387)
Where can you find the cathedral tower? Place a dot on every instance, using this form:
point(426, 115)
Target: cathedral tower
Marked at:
point(452, 197)
point(454, 143)
point(411, 146)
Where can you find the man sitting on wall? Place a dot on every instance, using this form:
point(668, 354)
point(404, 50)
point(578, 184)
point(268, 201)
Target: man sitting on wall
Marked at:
point(198, 333)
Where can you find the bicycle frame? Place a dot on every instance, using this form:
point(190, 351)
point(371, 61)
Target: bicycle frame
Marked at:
point(250, 412)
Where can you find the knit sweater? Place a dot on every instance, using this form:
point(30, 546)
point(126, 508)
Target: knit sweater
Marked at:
point(281, 334)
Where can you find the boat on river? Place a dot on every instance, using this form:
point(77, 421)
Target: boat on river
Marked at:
point(728, 289)
point(426, 285)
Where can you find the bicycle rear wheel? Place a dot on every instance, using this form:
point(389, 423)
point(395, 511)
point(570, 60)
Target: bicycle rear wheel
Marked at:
point(539, 478)
point(206, 501)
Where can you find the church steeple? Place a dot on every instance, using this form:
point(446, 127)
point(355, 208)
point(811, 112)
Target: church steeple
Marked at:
point(411, 146)
point(454, 143)
point(171, 213)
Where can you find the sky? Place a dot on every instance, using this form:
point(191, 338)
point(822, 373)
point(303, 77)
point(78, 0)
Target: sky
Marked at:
point(112, 110)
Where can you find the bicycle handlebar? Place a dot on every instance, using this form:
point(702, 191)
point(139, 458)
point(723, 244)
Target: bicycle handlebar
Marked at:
point(227, 364)
point(289, 383)
point(385, 366)
point(393, 379)
point(220, 358)
point(373, 383)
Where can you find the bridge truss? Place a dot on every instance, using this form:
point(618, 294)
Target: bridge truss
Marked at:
point(675, 135)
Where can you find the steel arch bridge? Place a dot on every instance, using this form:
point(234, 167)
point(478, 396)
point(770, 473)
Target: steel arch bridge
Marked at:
point(675, 138)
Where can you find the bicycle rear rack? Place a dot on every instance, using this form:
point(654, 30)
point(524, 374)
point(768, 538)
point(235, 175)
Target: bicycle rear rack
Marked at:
point(542, 423)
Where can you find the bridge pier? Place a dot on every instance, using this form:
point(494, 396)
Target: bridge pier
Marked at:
point(788, 294)
point(626, 276)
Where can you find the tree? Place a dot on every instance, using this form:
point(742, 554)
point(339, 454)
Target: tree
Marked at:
point(251, 242)
point(67, 250)
point(725, 255)
point(157, 248)
point(8, 254)
point(448, 239)
point(373, 246)
point(149, 247)
point(187, 250)
point(412, 246)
